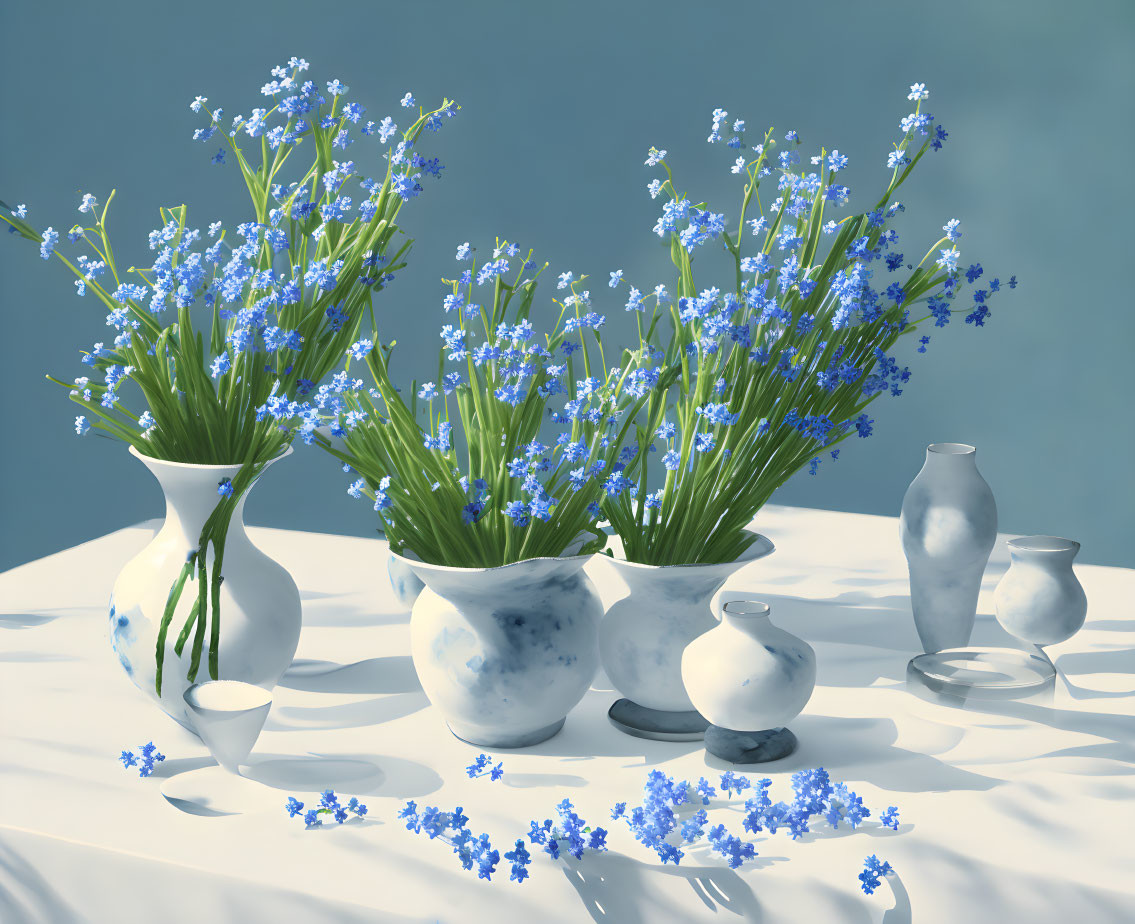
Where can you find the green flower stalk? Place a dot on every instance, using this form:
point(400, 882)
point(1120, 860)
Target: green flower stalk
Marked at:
point(777, 367)
point(458, 471)
point(218, 341)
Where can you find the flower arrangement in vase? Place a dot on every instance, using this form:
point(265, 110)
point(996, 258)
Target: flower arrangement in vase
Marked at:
point(769, 371)
point(223, 339)
point(494, 515)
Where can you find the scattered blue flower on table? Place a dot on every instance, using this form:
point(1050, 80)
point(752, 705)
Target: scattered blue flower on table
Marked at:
point(148, 755)
point(519, 857)
point(483, 766)
point(328, 805)
point(657, 826)
point(890, 818)
point(731, 783)
point(874, 870)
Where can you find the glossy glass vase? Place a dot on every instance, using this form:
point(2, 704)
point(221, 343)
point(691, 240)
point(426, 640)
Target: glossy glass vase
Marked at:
point(643, 635)
point(949, 525)
point(260, 603)
point(505, 653)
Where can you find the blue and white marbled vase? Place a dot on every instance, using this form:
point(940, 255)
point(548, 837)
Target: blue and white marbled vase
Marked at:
point(505, 653)
point(949, 525)
point(260, 604)
point(643, 635)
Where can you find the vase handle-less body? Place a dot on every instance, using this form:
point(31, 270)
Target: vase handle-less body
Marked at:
point(949, 525)
point(260, 603)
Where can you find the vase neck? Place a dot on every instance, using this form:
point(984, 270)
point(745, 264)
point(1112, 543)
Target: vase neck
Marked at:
point(950, 457)
point(191, 496)
point(1048, 552)
point(750, 625)
point(748, 616)
point(513, 582)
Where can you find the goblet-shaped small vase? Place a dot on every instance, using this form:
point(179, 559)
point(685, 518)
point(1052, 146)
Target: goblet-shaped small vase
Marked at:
point(229, 716)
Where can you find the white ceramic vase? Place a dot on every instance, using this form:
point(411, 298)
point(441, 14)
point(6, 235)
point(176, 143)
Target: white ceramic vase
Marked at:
point(643, 635)
point(260, 603)
point(747, 674)
point(949, 525)
point(405, 584)
point(1040, 599)
point(505, 653)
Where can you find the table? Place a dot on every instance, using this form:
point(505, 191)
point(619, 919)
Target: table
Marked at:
point(1013, 811)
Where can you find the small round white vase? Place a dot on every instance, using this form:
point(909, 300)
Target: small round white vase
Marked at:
point(505, 653)
point(1040, 599)
point(747, 674)
point(949, 525)
point(260, 603)
point(642, 637)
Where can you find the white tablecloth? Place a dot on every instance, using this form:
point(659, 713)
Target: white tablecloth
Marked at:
point(1018, 811)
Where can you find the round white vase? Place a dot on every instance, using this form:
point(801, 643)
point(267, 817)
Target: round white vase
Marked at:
point(1040, 599)
point(747, 674)
point(260, 603)
point(505, 653)
point(949, 525)
point(642, 637)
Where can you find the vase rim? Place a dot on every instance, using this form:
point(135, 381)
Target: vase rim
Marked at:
point(203, 466)
point(746, 609)
point(760, 548)
point(1043, 544)
point(415, 563)
point(226, 696)
point(951, 449)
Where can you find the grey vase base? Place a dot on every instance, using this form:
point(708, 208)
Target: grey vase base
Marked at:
point(656, 724)
point(983, 673)
point(490, 738)
point(749, 747)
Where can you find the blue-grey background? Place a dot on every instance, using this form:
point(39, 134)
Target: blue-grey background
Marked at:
point(561, 102)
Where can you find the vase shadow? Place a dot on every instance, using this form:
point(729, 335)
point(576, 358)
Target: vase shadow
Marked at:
point(901, 913)
point(373, 711)
point(352, 617)
point(621, 890)
point(25, 895)
point(864, 749)
point(26, 620)
point(588, 734)
point(315, 772)
point(392, 674)
point(398, 777)
point(33, 657)
point(536, 780)
point(1115, 661)
point(1124, 625)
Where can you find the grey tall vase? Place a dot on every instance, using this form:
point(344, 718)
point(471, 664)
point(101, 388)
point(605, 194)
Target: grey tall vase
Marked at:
point(949, 525)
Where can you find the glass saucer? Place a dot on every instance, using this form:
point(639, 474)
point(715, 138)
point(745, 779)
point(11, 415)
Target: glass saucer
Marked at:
point(984, 673)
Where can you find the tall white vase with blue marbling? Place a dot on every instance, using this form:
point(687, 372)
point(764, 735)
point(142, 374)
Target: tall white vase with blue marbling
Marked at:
point(260, 604)
point(505, 653)
point(1040, 599)
point(949, 525)
point(643, 635)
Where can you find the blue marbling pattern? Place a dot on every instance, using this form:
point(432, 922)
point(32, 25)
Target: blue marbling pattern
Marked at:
point(505, 653)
